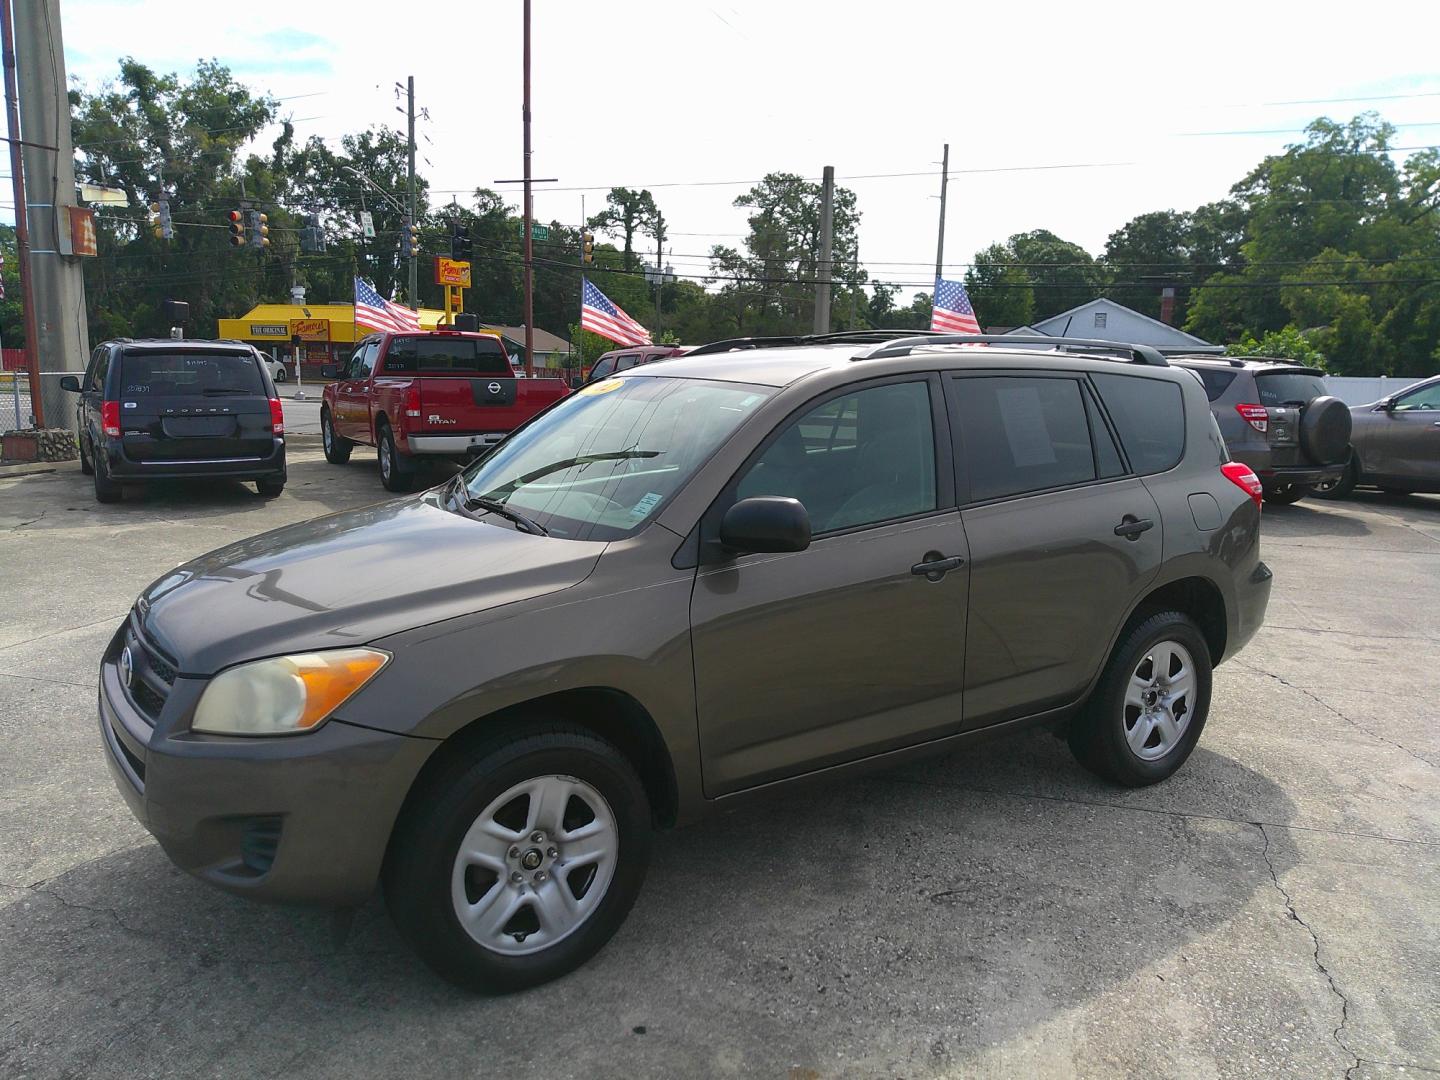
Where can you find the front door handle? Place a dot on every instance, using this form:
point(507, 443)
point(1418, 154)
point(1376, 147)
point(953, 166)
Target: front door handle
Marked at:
point(935, 565)
point(1131, 527)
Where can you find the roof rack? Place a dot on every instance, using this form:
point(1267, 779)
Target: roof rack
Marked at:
point(841, 337)
point(1139, 354)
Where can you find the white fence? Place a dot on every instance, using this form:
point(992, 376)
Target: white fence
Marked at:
point(1354, 390)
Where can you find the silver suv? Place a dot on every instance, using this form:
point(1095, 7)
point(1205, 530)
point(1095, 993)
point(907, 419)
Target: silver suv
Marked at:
point(1277, 418)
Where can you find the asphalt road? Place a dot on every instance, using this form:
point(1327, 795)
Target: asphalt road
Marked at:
point(1273, 910)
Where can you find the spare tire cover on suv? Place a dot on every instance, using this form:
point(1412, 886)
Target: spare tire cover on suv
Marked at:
point(1325, 430)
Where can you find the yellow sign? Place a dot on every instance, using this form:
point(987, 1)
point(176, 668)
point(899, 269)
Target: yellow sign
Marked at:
point(601, 387)
point(452, 272)
point(310, 329)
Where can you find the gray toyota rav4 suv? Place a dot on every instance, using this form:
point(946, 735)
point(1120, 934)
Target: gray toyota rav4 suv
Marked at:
point(670, 592)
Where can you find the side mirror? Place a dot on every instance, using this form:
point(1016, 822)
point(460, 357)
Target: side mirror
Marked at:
point(576, 382)
point(330, 371)
point(766, 523)
point(71, 383)
point(1388, 405)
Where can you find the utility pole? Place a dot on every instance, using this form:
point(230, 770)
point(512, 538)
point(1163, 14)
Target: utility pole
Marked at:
point(414, 260)
point(22, 227)
point(529, 213)
point(822, 284)
point(940, 242)
point(855, 288)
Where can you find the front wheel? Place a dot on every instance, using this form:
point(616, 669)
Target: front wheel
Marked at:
point(1285, 494)
point(1150, 705)
point(519, 859)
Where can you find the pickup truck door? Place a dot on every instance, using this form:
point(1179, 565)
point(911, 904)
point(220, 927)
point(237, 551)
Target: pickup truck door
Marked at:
point(352, 395)
point(1403, 444)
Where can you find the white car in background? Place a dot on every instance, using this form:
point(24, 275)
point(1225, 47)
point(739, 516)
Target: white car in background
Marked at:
point(276, 368)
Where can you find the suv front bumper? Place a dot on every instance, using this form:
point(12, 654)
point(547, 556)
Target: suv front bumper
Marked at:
point(303, 818)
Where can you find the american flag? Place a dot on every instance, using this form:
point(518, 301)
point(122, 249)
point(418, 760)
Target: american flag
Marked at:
point(952, 312)
point(601, 315)
point(374, 311)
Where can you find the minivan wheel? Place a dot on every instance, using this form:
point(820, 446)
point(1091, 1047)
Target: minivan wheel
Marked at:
point(337, 450)
point(270, 486)
point(1150, 705)
point(519, 859)
point(106, 489)
point(86, 466)
point(397, 472)
point(1285, 494)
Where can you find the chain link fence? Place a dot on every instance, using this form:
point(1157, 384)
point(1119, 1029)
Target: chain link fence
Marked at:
point(17, 411)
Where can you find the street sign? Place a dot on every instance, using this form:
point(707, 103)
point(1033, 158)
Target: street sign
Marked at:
point(452, 272)
point(82, 232)
point(367, 224)
point(537, 232)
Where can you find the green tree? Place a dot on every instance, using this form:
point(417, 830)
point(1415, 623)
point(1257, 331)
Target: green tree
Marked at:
point(1287, 344)
point(1000, 288)
point(628, 213)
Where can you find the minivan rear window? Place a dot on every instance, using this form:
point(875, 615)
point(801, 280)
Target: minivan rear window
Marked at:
point(1149, 415)
point(1278, 387)
point(179, 374)
point(447, 356)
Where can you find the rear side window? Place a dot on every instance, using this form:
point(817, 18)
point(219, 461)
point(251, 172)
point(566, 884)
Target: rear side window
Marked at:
point(1149, 415)
point(1216, 382)
point(626, 362)
point(1022, 434)
point(1279, 387)
point(446, 356)
point(180, 374)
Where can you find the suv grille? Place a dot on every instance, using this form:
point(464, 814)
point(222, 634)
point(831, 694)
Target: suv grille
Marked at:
point(152, 673)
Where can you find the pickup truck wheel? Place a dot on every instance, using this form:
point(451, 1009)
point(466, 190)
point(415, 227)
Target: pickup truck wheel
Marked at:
point(397, 472)
point(1150, 705)
point(1285, 494)
point(337, 450)
point(520, 858)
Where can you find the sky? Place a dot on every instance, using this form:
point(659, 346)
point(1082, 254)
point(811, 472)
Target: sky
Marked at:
point(1070, 117)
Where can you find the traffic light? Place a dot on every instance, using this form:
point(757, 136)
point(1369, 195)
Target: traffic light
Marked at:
point(237, 228)
point(160, 220)
point(409, 238)
point(312, 236)
point(587, 248)
point(461, 247)
point(259, 230)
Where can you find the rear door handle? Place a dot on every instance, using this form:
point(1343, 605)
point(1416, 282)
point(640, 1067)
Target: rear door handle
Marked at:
point(935, 565)
point(1131, 527)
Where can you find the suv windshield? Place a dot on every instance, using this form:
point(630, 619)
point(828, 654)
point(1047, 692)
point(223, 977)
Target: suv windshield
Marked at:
point(447, 356)
point(174, 374)
point(1276, 387)
point(601, 463)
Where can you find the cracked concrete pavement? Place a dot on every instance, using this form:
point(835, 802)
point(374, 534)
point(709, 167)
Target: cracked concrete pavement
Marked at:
point(1269, 911)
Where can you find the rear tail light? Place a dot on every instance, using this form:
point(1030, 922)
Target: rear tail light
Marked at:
point(1257, 416)
point(412, 400)
point(1243, 477)
point(110, 418)
point(277, 416)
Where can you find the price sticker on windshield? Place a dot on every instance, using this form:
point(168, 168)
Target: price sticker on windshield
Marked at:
point(603, 387)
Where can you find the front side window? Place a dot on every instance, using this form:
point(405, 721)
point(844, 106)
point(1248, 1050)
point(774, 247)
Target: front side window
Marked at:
point(855, 460)
point(607, 459)
point(1427, 397)
point(604, 366)
point(1022, 434)
point(179, 373)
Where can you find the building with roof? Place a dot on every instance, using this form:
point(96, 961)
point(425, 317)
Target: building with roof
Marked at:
point(1103, 318)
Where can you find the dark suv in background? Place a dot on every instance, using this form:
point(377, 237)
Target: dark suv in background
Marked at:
point(166, 409)
point(1277, 418)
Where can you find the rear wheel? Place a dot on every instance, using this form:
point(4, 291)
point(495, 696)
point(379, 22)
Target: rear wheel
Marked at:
point(397, 472)
point(270, 486)
point(520, 858)
point(106, 489)
point(1285, 494)
point(280, 375)
point(1150, 705)
point(337, 449)
point(1341, 487)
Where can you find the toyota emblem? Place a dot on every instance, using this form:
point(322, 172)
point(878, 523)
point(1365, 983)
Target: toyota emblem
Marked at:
point(127, 667)
point(494, 388)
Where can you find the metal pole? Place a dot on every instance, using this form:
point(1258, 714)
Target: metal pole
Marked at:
point(940, 242)
point(577, 345)
point(827, 222)
point(414, 260)
point(22, 222)
point(529, 214)
point(855, 287)
point(659, 276)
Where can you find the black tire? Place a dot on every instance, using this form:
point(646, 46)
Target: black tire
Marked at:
point(106, 489)
point(337, 449)
point(1098, 734)
point(1341, 488)
point(270, 486)
point(86, 466)
point(1325, 430)
point(421, 862)
point(1285, 494)
point(280, 374)
point(397, 471)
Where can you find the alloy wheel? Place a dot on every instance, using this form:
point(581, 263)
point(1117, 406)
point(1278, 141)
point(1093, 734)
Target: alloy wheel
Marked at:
point(1158, 700)
point(535, 865)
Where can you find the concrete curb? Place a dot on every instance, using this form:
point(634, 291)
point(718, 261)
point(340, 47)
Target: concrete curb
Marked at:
point(304, 440)
point(29, 468)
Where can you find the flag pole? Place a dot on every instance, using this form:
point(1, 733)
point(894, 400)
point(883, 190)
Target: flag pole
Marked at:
point(529, 213)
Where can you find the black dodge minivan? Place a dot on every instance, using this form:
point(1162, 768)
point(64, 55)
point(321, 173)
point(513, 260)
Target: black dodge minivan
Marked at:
point(166, 409)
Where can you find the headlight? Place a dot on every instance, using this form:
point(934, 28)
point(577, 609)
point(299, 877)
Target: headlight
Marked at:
point(285, 695)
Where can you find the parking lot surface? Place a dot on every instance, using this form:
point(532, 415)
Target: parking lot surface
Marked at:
point(1272, 910)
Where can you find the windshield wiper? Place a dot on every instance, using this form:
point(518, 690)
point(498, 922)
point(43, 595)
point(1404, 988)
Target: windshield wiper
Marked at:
point(504, 491)
point(492, 506)
point(225, 390)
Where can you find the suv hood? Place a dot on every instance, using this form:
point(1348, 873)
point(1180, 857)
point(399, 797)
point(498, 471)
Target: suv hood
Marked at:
point(350, 578)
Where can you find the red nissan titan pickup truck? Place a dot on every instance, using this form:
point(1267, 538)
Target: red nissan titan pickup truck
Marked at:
point(443, 394)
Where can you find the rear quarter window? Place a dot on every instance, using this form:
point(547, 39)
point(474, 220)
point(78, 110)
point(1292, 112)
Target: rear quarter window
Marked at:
point(1216, 382)
point(180, 374)
point(1149, 416)
point(446, 356)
